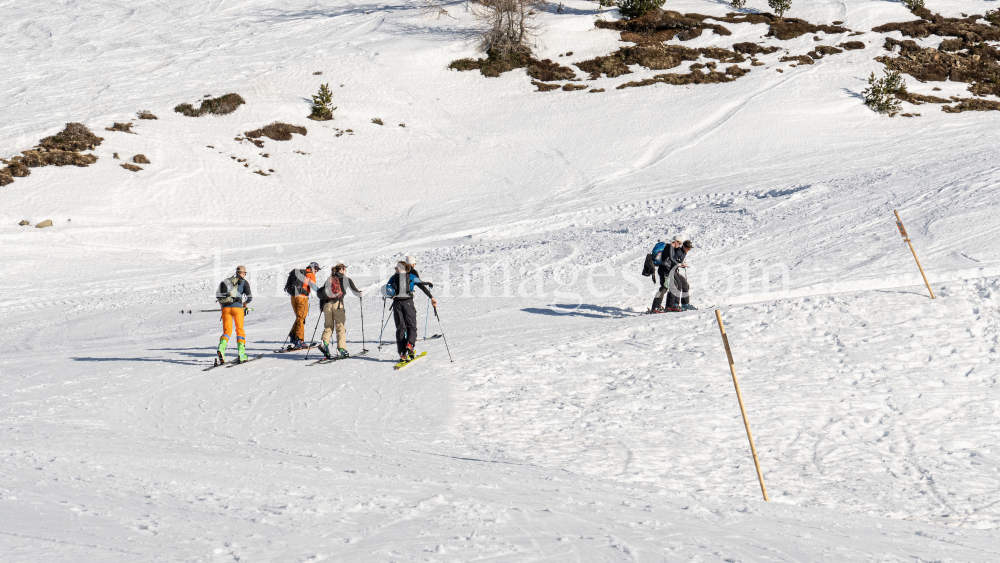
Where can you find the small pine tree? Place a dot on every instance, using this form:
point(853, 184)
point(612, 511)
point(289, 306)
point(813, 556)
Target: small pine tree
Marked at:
point(321, 110)
point(914, 5)
point(780, 6)
point(635, 8)
point(738, 3)
point(881, 92)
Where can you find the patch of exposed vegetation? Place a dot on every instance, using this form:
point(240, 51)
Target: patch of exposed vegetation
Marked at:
point(145, 114)
point(696, 76)
point(140, 159)
point(276, 131)
point(918, 99)
point(934, 24)
point(653, 57)
point(658, 26)
point(131, 167)
point(495, 63)
point(797, 59)
point(971, 104)
point(852, 45)
point(976, 64)
point(543, 87)
point(217, 106)
point(123, 127)
point(548, 71)
point(782, 28)
point(748, 48)
point(61, 149)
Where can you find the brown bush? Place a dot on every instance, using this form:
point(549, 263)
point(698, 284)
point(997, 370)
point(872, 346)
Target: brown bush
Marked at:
point(75, 137)
point(140, 159)
point(18, 169)
point(824, 50)
point(972, 104)
point(5, 177)
point(978, 65)
point(548, 71)
point(935, 24)
point(494, 64)
point(276, 131)
point(39, 158)
point(658, 26)
point(852, 45)
point(569, 87)
point(748, 48)
point(918, 99)
point(131, 167)
point(783, 28)
point(218, 106)
point(653, 57)
point(798, 59)
point(543, 87)
point(123, 127)
point(696, 76)
point(951, 45)
point(146, 114)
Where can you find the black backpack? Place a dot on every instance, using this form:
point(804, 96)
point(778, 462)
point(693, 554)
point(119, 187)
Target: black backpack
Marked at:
point(293, 285)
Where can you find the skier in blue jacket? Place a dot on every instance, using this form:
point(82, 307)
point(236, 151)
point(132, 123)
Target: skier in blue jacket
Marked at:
point(400, 288)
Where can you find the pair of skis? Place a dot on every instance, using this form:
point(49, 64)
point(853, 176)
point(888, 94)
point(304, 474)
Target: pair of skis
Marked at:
point(219, 364)
point(337, 358)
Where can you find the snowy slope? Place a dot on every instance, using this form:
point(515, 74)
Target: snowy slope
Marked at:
point(561, 431)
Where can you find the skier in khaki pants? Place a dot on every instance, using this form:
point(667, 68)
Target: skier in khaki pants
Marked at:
point(332, 304)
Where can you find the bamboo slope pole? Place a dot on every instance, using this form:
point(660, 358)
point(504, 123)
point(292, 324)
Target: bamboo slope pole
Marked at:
point(743, 410)
point(902, 231)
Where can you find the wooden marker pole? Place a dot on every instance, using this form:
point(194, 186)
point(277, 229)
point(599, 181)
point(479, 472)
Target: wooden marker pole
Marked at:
point(739, 397)
point(902, 231)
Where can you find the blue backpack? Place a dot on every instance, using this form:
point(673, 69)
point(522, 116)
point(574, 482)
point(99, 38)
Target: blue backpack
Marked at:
point(659, 258)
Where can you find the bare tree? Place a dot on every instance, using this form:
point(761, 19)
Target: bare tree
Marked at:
point(506, 26)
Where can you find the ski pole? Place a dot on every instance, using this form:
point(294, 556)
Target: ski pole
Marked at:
point(190, 311)
point(383, 325)
point(363, 343)
point(426, 317)
point(442, 334)
point(313, 339)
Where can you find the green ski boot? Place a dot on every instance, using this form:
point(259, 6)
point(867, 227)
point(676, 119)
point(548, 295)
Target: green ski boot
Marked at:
point(222, 350)
point(323, 347)
point(242, 352)
point(343, 353)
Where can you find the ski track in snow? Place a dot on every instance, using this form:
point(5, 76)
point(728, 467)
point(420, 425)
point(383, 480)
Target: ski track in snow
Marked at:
point(566, 429)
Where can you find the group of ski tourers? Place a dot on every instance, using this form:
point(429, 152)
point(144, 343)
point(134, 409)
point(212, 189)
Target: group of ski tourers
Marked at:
point(234, 295)
point(666, 262)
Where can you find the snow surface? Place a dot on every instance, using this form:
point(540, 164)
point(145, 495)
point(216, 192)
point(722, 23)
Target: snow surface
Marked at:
point(561, 431)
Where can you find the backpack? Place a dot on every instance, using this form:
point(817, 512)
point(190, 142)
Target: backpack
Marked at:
point(231, 293)
point(331, 289)
point(659, 258)
point(293, 285)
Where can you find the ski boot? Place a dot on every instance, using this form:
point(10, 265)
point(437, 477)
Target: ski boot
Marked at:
point(241, 351)
point(410, 352)
point(222, 350)
point(688, 307)
point(343, 353)
point(673, 310)
point(325, 349)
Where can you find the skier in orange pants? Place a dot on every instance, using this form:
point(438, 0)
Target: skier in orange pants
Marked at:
point(230, 295)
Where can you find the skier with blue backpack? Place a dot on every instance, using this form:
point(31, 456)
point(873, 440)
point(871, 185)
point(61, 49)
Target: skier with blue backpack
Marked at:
point(400, 288)
point(664, 262)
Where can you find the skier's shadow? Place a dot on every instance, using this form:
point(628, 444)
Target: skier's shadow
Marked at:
point(163, 360)
point(581, 310)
